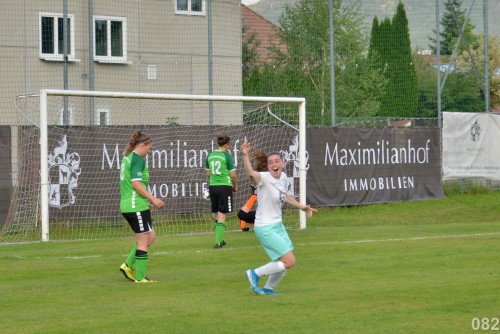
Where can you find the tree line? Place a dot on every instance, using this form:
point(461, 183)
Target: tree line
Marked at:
point(376, 72)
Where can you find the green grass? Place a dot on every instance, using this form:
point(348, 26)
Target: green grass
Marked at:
point(413, 267)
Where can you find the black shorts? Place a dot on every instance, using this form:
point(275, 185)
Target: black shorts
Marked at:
point(140, 222)
point(221, 198)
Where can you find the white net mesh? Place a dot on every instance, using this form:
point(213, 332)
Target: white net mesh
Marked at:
point(86, 140)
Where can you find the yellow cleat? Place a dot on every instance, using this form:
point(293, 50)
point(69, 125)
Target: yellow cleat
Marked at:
point(145, 280)
point(127, 272)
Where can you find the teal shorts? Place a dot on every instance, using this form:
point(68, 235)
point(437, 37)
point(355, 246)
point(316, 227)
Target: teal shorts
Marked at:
point(274, 239)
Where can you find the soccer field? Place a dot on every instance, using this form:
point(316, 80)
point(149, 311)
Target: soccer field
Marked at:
point(414, 267)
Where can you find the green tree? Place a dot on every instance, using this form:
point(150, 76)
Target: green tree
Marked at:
point(462, 91)
point(306, 33)
point(456, 98)
point(360, 85)
point(304, 68)
point(250, 57)
point(452, 20)
point(390, 52)
point(427, 83)
point(375, 44)
point(475, 62)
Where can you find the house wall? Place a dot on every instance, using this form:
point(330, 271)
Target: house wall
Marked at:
point(177, 45)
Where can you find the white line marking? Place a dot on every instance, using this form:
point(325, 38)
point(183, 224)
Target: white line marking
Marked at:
point(455, 236)
point(365, 241)
point(82, 257)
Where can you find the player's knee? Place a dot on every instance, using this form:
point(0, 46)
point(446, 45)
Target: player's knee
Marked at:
point(151, 237)
point(288, 260)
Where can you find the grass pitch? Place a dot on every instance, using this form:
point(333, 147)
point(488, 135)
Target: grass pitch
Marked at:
point(413, 267)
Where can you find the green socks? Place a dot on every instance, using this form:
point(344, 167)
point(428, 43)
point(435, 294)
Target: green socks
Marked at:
point(219, 232)
point(141, 263)
point(131, 257)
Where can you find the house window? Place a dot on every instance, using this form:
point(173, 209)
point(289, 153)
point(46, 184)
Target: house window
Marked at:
point(51, 36)
point(110, 37)
point(152, 72)
point(190, 7)
point(102, 116)
point(66, 119)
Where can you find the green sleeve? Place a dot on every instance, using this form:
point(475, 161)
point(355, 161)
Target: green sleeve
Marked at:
point(229, 161)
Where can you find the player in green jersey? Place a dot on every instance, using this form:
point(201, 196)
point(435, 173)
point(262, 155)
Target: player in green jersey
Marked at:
point(222, 183)
point(136, 203)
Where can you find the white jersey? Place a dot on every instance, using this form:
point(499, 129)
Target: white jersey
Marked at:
point(271, 196)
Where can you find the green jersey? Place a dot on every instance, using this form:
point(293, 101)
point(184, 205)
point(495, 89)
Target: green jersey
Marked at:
point(133, 168)
point(220, 164)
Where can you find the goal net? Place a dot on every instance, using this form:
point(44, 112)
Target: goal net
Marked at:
point(69, 146)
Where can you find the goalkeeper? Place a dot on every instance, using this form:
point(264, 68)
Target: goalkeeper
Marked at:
point(134, 205)
point(246, 214)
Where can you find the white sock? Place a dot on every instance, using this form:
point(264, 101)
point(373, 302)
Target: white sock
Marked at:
point(270, 268)
point(274, 280)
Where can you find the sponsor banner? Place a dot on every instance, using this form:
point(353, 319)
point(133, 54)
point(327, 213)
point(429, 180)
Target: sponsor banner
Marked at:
point(469, 149)
point(84, 165)
point(351, 166)
point(346, 166)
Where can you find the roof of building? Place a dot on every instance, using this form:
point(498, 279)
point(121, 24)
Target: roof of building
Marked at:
point(402, 122)
point(266, 32)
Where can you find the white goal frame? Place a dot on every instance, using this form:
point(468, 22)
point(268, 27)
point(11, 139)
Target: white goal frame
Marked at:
point(44, 168)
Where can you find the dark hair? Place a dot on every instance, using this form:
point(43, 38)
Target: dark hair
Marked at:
point(260, 161)
point(137, 138)
point(222, 139)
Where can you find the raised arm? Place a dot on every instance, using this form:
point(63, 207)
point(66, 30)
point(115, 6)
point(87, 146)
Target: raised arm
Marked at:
point(245, 149)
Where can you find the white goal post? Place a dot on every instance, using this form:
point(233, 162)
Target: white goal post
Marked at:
point(202, 110)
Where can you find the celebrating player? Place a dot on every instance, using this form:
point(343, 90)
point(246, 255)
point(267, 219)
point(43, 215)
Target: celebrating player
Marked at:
point(222, 183)
point(246, 214)
point(134, 205)
point(272, 191)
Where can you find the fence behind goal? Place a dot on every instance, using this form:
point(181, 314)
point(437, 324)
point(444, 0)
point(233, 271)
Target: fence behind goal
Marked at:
point(67, 180)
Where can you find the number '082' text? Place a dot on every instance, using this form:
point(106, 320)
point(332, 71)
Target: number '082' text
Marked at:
point(485, 324)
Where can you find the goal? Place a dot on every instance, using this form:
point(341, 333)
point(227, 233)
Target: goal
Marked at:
point(69, 145)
